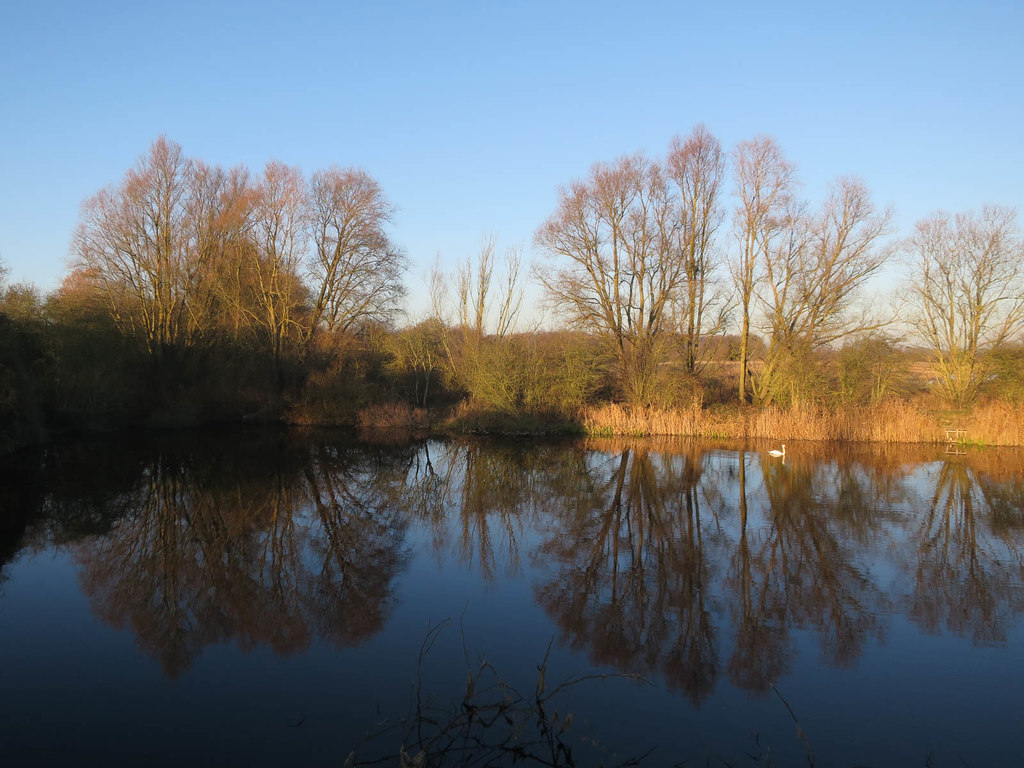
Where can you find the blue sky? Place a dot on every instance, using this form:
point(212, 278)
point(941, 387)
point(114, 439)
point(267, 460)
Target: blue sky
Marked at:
point(472, 114)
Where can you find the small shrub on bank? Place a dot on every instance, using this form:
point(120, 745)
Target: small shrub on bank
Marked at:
point(391, 416)
point(475, 420)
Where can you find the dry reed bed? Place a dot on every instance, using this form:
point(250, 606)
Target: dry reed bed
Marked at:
point(896, 422)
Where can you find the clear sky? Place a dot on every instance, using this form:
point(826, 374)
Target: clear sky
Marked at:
point(471, 114)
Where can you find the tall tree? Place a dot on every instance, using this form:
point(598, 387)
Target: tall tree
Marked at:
point(764, 185)
point(131, 246)
point(966, 293)
point(218, 219)
point(697, 168)
point(813, 271)
point(356, 269)
point(615, 269)
point(279, 239)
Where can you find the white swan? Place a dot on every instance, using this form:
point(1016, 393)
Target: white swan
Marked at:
point(778, 453)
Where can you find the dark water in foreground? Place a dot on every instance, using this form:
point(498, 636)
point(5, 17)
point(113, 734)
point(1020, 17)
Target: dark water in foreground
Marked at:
point(265, 599)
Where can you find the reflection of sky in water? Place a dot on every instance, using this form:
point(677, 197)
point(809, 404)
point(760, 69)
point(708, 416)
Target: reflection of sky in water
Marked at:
point(872, 588)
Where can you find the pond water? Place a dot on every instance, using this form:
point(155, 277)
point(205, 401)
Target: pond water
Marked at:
point(274, 598)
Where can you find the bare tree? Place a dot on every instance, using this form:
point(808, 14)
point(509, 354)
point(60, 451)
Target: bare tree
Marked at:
point(279, 239)
point(812, 275)
point(764, 186)
point(130, 246)
point(356, 270)
point(218, 218)
point(617, 270)
point(477, 348)
point(179, 251)
point(697, 167)
point(966, 293)
point(475, 302)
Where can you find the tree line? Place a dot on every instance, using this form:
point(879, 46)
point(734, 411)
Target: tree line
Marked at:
point(180, 251)
point(638, 256)
point(199, 293)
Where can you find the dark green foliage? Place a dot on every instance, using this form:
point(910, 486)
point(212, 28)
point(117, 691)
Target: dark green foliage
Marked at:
point(95, 376)
point(22, 367)
point(21, 419)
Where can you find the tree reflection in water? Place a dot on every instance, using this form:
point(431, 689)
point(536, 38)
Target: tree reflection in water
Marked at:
point(271, 548)
point(670, 560)
point(759, 609)
point(481, 499)
point(969, 558)
point(810, 559)
point(663, 557)
point(633, 571)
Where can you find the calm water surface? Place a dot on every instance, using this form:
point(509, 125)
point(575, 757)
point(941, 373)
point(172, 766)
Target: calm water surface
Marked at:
point(273, 599)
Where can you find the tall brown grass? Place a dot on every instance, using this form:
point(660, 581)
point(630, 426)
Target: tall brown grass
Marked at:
point(892, 422)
